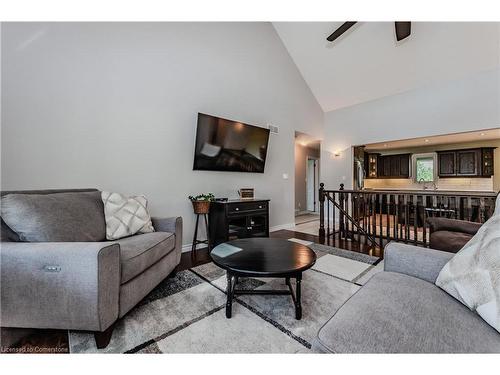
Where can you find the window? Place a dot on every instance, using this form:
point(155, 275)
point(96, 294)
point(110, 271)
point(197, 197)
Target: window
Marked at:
point(425, 169)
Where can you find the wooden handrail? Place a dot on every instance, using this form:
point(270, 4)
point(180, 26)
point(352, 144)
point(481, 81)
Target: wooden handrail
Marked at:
point(486, 194)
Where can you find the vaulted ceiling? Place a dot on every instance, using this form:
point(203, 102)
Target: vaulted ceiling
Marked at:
point(367, 62)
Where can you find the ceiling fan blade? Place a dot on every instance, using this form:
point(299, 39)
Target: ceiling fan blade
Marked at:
point(342, 29)
point(403, 30)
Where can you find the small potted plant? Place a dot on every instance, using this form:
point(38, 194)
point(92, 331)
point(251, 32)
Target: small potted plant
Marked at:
point(201, 202)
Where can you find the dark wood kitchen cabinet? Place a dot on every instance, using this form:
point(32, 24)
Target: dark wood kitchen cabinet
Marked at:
point(474, 162)
point(386, 166)
point(371, 165)
point(468, 162)
point(394, 166)
point(404, 165)
point(446, 163)
point(487, 166)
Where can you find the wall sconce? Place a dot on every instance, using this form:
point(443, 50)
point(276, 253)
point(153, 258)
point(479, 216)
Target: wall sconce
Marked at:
point(336, 153)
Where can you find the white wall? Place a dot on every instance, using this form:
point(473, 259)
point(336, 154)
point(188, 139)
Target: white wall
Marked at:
point(466, 104)
point(301, 155)
point(114, 106)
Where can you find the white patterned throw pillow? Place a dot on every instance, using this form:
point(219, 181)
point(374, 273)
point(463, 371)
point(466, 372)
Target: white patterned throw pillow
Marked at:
point(125, 216)
point(473, 275)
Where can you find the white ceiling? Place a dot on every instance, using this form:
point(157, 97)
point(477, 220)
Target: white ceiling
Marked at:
point(475, 136)
point(367, 62)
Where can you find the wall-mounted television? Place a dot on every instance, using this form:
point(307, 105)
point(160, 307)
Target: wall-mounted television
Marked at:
point(226, 145)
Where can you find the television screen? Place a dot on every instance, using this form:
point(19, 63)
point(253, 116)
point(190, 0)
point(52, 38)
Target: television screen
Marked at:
point(225, 145)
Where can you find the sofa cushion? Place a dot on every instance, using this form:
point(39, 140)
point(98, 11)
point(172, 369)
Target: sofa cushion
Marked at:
point(58, 217)
point(453, 225)
point(7, 234)
point(472, 276)
point(396, 313)
point(448, 241)
point(125, 216)
point(137, 253)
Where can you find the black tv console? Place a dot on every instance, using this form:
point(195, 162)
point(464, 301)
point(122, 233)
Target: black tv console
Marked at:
point(240, 218)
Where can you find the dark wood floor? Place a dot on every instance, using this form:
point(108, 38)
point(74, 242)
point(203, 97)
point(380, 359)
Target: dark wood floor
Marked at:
point(335, 241)
point(56, 341)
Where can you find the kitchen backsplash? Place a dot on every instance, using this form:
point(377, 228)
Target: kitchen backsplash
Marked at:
point(458, 183)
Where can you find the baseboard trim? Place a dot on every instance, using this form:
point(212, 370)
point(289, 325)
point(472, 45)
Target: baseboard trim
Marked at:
point(282, 227)
point(187, 247)
point(299, 213)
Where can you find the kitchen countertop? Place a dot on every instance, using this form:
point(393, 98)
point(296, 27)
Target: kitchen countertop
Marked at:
point(435, 192)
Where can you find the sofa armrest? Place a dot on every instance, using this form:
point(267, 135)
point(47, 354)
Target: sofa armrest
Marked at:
point(172, 225)
point(59, 285)
point(415, 261)
point(452, 225)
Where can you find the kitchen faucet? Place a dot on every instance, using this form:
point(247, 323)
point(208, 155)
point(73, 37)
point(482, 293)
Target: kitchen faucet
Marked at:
point(425, 187)
point(422, 181)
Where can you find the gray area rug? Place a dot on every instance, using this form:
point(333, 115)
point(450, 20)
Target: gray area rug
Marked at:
point(360, 257)
point(186, 313)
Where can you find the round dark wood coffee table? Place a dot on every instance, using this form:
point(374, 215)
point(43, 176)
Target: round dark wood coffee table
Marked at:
point(263, 257)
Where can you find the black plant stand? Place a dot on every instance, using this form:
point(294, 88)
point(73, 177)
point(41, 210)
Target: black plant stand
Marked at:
point(196, 241)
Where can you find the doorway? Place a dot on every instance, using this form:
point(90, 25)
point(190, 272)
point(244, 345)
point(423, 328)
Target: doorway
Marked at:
point(312, 184)
point(307, 178)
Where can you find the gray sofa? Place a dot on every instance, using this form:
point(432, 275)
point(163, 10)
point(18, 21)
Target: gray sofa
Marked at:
point(400, 310)
point(83, 285)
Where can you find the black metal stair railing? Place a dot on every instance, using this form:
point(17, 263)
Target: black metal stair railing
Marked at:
point(377, 217)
